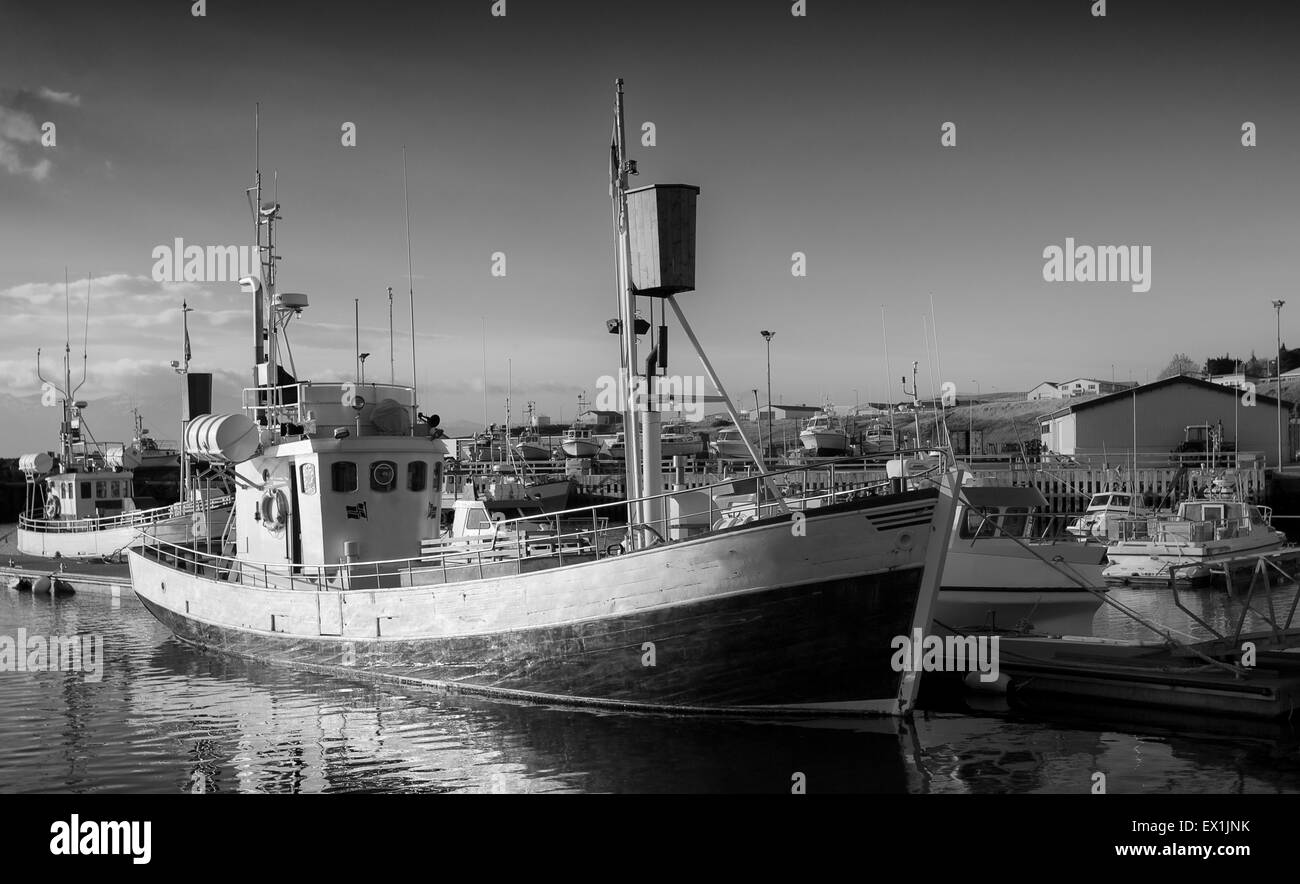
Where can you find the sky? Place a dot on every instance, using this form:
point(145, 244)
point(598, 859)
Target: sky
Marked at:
point(818, 134)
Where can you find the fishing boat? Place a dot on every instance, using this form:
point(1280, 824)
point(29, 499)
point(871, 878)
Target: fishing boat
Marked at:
point(674, 440)
point(150, 453)
point(579, 442)
point(509, 492)
point(529, 446)
point(878, 438)
point(1104, 509)
point(823, 435)
point(1210, 529)
point(337, 561)
point(81, 502)
point(1006, 568)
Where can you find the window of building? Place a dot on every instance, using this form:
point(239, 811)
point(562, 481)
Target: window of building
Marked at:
point(343, 476)
point(416, 475)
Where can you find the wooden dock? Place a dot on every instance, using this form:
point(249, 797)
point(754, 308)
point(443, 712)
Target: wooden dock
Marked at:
point(113, 580)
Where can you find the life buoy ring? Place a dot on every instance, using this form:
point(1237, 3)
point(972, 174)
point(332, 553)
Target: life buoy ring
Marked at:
point(274, 509)
point(51, 507)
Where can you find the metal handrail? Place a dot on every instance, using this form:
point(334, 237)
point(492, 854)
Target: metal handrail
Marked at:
point(132, 519)
point(510, 542)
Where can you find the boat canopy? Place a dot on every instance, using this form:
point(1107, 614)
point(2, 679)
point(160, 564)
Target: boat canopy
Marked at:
point(989, 497)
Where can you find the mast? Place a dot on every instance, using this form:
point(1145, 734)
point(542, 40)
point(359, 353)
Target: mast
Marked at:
point(410, 288)
point(186, 404)
point(627, 309)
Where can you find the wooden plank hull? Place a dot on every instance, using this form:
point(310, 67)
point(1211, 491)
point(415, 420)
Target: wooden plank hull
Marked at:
point(757, 618)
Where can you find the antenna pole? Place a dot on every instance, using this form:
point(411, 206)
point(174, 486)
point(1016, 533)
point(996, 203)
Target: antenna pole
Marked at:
point(889, 383)
point(410, 284)
point(485, 406)
point(356, 332)
point(392, 372)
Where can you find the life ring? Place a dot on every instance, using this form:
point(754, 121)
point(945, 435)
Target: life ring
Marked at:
point(51, 507)
point(274, 509)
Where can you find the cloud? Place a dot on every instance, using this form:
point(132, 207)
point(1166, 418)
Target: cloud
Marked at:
point(60, 97)
point(20, 131)
point(13, 163)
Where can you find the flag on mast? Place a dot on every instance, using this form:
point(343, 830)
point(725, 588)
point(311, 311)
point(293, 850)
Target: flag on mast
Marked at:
point(185, 310)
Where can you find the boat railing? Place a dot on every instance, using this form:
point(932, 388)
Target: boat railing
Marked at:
point(1158, 530)
point(294, 403)
point(581, 534)
point(131, 519)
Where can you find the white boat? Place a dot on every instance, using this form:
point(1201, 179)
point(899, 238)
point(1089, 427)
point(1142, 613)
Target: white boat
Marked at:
point(1005, 570)
point(1205, 531)
point(1104, 509)
point(81, 502)
point(878, 439)
point(823, 436)
point(729, 444)
point(578, 442)
point(151, 453)
point(338, 562)
point(530, 447)
point(91, 514)
point(674, 440)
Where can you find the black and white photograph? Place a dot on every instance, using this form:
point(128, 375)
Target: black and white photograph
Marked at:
point(781, 397)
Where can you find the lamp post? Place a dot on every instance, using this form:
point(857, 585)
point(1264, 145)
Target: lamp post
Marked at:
point(1277, 305)
point(767, 336)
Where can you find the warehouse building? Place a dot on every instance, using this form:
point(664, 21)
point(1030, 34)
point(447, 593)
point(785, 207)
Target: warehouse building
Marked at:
point(1160, 413)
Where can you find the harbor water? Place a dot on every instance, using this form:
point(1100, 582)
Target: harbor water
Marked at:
point(154, 715)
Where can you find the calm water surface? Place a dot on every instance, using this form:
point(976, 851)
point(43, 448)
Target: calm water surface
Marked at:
point(168, 718)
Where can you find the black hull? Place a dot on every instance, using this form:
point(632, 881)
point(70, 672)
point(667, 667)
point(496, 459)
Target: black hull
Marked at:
point(774, 650)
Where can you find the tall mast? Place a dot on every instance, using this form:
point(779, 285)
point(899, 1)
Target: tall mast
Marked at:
point(410, 284)
point(187, 404)
point(259, 317)
point(627, 308)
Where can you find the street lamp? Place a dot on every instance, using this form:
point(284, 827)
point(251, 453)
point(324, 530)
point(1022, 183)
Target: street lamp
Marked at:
point(767, 336)
point(1277, 305)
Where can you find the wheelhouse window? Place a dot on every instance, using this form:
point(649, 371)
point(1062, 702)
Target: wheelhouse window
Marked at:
point(1014, 521)
point(85, 491)
point(115, 488)
point(343, 476)
point(971, 525)
point(383, 476)
point(417, 475)
point(101, 489)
